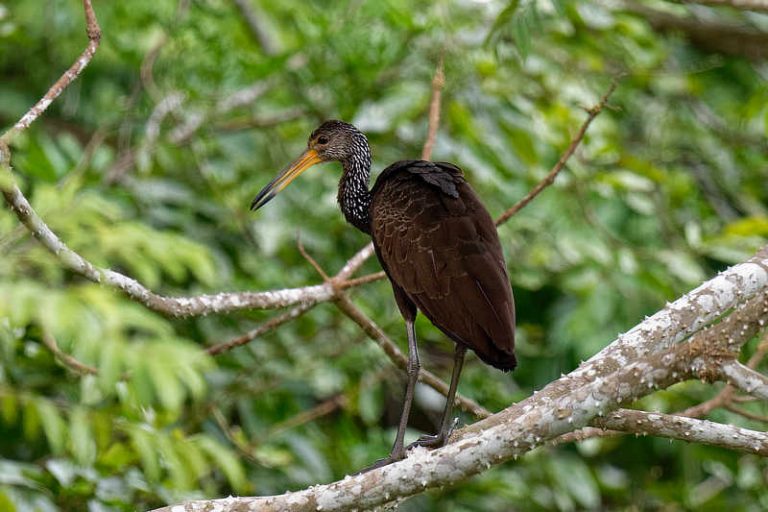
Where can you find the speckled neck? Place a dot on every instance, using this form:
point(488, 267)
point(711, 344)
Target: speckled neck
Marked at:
point(354, 197)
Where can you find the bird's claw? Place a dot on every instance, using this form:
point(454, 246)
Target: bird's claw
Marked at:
point(436, 441)
point(386, 461)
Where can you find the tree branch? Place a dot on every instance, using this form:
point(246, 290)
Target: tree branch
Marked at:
point(67, 360)
point(745, 5)
point(94, 38)
point(680, 319)
point(255, 26)
point(434, 110)
point(549, 179)
point(267, 326)
point(686, 429)
point(745, 378)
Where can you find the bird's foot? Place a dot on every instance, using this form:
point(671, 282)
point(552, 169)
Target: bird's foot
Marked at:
point(386, 461)
point(436, 441)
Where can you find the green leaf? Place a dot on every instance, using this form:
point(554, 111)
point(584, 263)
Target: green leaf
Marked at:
point(141, 439)
point(81, 437)
point(53, 425)
point(226, 460)
point(9, 408)
point(110, 364)
point(179, 472)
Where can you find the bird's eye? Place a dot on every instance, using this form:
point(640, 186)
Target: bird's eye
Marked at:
point(322, 139)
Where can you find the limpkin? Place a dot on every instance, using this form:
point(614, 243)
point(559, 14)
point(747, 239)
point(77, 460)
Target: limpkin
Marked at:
point(437, 244)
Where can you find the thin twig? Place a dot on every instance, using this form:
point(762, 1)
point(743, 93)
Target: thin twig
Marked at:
point(355, 262)
point(434, 110)
point(271, 324)
point(94, 38)
point(370, 278)
point(312, 261)
point(322, 409)
point(67, 360)
point(723, 398)
point(747, 414)
point(592, 113)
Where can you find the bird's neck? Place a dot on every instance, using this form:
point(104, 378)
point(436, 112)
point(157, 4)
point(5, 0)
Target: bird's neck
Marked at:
point(354, 197)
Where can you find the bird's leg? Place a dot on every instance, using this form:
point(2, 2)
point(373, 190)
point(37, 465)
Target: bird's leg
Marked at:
point(446, 424)
point(398, 449)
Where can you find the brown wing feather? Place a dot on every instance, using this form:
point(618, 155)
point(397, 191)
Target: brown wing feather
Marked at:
point(439, 247)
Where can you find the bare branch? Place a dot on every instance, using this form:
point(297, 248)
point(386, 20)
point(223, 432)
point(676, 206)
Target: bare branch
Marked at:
point(592, 113)
point(256, 27)
point(745, 378)
point(370, 278)
point(749, 415)
point(710, 34)
point(94, 38)
point(173, 306)
point(267, 326)
point(745, 5)
point(722, 399)
point(727, 395)
point(322, 409)
point(67, 360)
point(355, 262)
point(434, 110)
point(686, 429)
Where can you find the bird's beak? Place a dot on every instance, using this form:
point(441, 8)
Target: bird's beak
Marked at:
point(287, 175)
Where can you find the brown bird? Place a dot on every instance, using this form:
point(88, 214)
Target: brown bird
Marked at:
point(437, 244)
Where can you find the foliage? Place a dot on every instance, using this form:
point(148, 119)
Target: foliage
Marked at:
point(669, 187)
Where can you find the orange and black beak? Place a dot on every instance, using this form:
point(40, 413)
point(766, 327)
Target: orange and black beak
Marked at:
point(309, 158)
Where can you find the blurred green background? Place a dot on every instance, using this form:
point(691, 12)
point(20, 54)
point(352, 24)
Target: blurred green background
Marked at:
point(147, 164)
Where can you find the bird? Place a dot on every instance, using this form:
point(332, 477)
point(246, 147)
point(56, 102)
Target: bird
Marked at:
point(438, 246)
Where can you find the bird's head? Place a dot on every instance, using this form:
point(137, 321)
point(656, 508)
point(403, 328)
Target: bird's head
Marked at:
point(332, 140)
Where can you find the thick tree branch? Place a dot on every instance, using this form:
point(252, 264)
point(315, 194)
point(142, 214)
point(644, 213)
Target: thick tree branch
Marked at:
point(711, 35)
point(744, 5)
point(680, 319)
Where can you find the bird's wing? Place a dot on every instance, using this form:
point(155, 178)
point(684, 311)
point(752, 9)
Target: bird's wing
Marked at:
point(439, 245)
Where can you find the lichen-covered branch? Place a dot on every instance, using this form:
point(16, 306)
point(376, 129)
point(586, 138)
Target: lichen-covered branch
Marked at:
point(687, 429)
point(681, 318)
